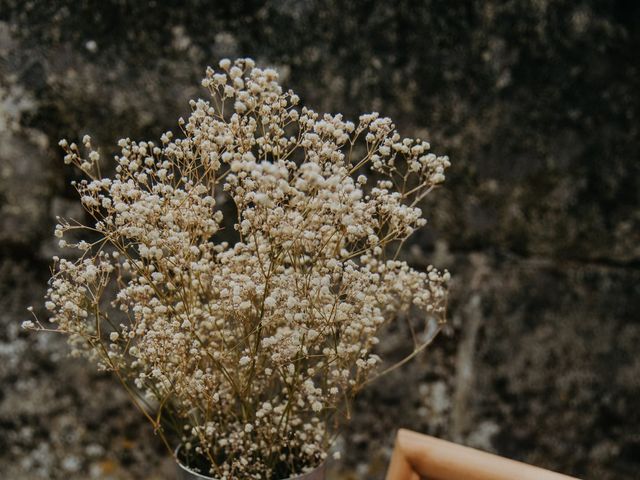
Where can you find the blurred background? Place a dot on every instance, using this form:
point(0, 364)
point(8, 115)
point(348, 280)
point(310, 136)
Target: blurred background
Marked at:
point(537, 102)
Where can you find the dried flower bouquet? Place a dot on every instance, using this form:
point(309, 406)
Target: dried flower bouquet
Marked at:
point(236, 279)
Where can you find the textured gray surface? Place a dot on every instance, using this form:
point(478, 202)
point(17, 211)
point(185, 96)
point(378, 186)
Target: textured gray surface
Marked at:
point(535, 101)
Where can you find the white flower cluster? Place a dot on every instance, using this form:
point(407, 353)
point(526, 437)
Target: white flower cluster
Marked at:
point(251, 343)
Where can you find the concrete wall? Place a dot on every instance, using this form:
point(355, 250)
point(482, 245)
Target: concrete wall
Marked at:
point(537, 104)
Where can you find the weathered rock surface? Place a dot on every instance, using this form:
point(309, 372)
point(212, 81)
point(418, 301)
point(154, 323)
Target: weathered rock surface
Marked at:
point(537, 104)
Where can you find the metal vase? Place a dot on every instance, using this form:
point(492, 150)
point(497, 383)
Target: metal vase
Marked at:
point(185, 473)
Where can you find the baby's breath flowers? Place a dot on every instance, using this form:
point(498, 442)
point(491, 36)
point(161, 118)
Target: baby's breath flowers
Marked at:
point(236, 278)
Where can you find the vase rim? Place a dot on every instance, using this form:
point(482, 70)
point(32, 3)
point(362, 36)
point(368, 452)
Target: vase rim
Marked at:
point(187, 469)
point(318, 469)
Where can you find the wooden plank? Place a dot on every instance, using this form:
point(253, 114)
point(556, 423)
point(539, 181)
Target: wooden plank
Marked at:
point(418, 456)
